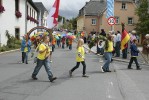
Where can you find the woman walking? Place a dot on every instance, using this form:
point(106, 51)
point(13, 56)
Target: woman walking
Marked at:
point(108, 53)
point(80, 58)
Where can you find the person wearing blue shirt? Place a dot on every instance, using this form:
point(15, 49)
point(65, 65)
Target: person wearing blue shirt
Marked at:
point(134, 55)
point(25, 48)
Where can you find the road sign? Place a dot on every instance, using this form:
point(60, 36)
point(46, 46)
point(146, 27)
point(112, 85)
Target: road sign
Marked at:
point(111, 21)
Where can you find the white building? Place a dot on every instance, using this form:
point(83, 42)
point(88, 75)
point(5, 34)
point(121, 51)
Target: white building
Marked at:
point(14, 18)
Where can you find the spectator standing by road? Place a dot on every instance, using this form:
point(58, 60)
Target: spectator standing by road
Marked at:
point(146, 48)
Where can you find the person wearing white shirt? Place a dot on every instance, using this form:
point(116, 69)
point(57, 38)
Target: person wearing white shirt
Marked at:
point(118, 44)
point(100, 47)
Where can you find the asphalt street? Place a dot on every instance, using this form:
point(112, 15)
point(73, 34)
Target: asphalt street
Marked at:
point(120, 84)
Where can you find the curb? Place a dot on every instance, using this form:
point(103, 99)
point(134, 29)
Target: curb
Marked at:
point(9, 51)
point(116, 59)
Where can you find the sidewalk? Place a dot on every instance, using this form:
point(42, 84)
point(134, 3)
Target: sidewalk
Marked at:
point(140, 58)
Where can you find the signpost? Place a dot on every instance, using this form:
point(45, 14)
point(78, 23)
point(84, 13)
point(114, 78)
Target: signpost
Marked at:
point(111, 21)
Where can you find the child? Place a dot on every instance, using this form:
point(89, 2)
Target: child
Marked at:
point(100, 49)
point(80, 58)
point(134, 54)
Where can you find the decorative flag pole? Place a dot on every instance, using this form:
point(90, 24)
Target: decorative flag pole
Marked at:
point(110, 13)
point(124, 38)
point(52, 19)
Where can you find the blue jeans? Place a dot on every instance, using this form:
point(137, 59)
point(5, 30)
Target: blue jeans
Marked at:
point(26, 57)
point(70, 46)
point(46, 64)
point(108, 56)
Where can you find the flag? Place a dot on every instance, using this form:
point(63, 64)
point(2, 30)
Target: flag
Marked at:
point(110, 8)
point(124, 38)
point(52, 19)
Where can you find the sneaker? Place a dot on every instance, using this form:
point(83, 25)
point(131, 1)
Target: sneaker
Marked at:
point(102, 70)
point(52, 79)
point(50, 61)
point(70, 73)
point(108, 71)
point(139, 68)
point(34, 78)
point(130, 68)
point(85, 76)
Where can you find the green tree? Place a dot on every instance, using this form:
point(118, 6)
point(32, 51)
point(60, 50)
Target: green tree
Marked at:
point(142, 11)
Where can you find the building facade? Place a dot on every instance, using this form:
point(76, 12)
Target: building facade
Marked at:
point(43, 13)
point(14, 18)
point(92, 17)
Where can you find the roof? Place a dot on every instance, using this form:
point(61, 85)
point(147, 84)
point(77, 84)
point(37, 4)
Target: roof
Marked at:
point(33, 5)
point(125, 0)
point(93, 8)
point(41, 7)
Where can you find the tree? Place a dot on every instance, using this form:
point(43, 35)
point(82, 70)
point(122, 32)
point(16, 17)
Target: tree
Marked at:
point(142, 11)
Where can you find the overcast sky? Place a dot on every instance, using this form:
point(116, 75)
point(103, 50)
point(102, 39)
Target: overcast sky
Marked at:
point(68, 8)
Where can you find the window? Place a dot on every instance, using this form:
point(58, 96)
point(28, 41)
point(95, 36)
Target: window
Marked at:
point(93, 21)
point(16, 5)
point(130, 20)
point(34, 14)
point(27, 9)
point(117, 20)
point(17, 33)
point(30, 13)
point(123, 5)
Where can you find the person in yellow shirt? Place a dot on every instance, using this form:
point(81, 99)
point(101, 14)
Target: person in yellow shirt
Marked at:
point(108, 53)
point(53, 43)
point(80, 58)
point(70, 44)
point(43, 59)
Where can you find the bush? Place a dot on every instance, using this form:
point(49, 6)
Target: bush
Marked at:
point(12, 43)
point(4, 48)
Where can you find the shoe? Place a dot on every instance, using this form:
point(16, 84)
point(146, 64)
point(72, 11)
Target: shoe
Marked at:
point(34, 78)
point(102, 69)
point(50, 61)
point(130, 68)
point(52, 79)
point(70, 73)
point(26, 62)
point(139, 68)
point(85, 76)
point(108, 71)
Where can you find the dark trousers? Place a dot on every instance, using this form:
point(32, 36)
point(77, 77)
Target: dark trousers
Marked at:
point(124, 53)
point(117, 49)
point(23, 56)
point(131, 61)
point(53, 47)
point(77, 66)
point(70, 46)
point(63, 46)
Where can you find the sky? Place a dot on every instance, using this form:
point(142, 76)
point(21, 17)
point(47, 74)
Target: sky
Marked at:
point(68, 8)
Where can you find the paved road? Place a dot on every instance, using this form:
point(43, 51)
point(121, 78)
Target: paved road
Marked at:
point(120, 84)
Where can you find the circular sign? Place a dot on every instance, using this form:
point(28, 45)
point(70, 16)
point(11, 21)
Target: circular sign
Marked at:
point(111, 21)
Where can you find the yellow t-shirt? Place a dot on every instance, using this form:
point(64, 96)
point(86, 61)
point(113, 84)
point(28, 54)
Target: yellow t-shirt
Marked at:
point(110, 48)
point(45, 54)
point(25, 49)
point(81, 51)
